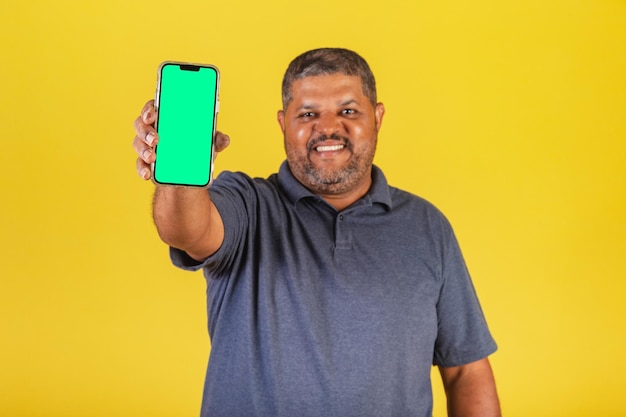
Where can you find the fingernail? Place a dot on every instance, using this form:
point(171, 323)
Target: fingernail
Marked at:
point(146, 154)
point(150, 138)
point(145, 173)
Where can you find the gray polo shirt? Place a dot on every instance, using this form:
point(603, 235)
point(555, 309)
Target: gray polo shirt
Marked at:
point(314, 312)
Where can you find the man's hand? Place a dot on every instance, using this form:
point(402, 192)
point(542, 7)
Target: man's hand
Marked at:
point(146, 138)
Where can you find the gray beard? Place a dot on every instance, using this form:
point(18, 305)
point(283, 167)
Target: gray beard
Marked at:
point(330, 182)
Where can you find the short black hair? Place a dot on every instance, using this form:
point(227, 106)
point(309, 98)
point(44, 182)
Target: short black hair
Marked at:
point(327, 61)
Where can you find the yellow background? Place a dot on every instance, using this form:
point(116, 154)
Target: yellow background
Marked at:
point(509, 116)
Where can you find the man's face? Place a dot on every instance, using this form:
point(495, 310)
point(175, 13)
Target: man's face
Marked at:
point(330, 130)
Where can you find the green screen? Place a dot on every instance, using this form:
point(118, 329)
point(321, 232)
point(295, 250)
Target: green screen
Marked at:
point(187, 97)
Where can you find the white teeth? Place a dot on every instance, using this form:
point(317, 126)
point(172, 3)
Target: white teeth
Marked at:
point(329, 148)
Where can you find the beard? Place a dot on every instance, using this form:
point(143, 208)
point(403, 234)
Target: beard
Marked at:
point(331, 180)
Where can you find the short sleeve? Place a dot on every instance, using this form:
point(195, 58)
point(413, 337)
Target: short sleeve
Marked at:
point(231, 193)
point(463, 335)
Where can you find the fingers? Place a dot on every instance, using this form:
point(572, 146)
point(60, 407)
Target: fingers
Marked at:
point(143, 169)
point(145, 140)
point(148, 113)
point(144, 124)
point(146, 157)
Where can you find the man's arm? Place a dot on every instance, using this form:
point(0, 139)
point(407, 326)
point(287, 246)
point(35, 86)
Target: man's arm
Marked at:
point(185, 217)
point(471, 390)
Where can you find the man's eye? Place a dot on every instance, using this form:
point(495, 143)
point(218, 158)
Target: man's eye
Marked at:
point(348, 111)
point(307, 114)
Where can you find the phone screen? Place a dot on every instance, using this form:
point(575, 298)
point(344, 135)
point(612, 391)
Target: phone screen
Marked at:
point(186, 101)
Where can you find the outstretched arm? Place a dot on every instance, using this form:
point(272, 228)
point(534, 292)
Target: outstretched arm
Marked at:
point(185, 217)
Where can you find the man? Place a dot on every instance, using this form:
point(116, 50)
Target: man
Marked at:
point(330, 293)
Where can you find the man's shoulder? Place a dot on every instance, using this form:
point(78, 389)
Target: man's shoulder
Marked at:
point(235, 180)
point(401, 197)
point(281, 185)
point(240, 191)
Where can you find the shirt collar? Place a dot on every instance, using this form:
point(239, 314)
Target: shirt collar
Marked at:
point(379, 191)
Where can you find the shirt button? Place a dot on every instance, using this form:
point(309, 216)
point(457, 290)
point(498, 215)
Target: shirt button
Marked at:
point(341, 217)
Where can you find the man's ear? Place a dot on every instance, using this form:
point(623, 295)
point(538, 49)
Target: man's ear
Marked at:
point(281, 120)
point(379, 112)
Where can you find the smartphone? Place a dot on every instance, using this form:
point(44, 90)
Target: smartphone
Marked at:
point(187, 103)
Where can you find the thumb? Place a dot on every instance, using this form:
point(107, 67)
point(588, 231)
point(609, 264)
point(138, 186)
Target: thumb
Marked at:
point(221, 141)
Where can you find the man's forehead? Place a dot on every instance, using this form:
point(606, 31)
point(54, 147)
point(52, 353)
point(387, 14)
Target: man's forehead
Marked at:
point(336, 78)
point(340, 88)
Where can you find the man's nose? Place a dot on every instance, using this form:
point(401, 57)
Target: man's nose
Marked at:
point(328, 123)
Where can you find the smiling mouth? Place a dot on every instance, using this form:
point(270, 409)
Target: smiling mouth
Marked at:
point(329, 148)
point(329, 143)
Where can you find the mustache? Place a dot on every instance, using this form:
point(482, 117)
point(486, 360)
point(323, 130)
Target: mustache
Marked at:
point(323, 137)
